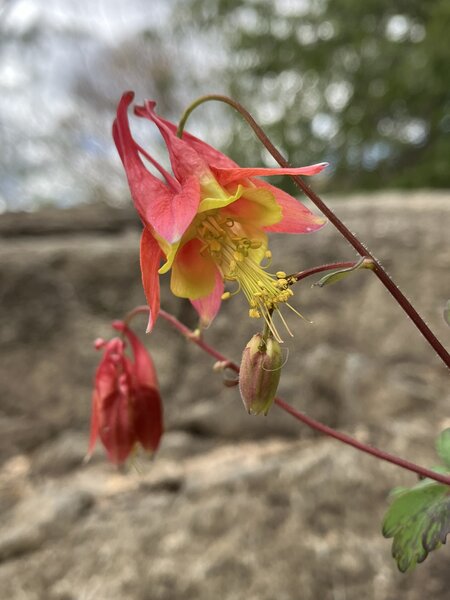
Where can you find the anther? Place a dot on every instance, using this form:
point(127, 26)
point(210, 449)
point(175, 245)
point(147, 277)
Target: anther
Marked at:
point(281, 283)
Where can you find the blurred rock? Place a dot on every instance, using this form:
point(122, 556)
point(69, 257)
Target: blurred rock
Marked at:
point(41, 517)
point(232, 505)
point(61, 455)
point(269, 518)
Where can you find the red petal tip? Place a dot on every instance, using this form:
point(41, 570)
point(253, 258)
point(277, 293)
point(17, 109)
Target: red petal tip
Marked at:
point(128, 96)
point(99, 343)
point(118, 325)
point(150, 323)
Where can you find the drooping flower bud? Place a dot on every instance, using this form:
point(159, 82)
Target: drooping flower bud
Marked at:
point(126, 405)
point(260, 373)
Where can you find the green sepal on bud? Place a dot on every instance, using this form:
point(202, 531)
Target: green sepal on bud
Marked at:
point(335, 276)
point(260, 373)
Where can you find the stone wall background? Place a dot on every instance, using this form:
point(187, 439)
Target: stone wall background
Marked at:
point(232, 506)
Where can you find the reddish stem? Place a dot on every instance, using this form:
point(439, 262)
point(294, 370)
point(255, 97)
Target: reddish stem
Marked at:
point(350, 441)
point(329, 267)
point(312, 423)
point(333, 218)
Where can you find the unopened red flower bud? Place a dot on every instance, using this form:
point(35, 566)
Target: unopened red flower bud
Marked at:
point(126, 405)
point(260, 373)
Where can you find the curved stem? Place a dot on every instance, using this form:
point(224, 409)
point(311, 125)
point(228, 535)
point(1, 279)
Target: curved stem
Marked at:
point(350, 441)
point(312, 423)
point(138, 310)
point(196, 339)
point(193, 106)
point(333, 218)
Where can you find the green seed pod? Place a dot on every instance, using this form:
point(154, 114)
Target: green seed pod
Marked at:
point(260, 373)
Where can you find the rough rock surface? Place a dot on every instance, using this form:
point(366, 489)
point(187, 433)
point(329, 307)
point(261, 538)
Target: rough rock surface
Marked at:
point(232, 506)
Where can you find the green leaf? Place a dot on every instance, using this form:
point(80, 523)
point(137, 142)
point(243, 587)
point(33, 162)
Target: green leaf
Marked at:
point(443, 446)
point(335, 276)
point(418, 520)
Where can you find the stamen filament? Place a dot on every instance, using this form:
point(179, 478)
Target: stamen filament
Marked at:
point(285, 324)
point(238, 258)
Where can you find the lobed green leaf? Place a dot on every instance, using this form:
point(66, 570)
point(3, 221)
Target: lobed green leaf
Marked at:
point(418, 520)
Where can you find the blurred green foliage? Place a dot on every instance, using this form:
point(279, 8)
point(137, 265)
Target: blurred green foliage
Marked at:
point(363, 85)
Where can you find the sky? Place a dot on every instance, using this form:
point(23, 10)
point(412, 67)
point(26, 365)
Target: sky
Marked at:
point(65, 63)
point(57, 141)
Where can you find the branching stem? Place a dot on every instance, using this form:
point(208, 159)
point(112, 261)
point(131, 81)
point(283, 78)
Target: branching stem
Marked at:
point(332, 217)
point(321, 268)
point(312, 423)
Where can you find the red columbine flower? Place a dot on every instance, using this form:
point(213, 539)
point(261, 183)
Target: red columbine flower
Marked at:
point(126, 406)
point(208, 221)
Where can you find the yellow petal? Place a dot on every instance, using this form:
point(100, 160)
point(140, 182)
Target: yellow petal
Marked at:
point(170, 250)
point(256, 206)
point(212, 203)
point(193, 275)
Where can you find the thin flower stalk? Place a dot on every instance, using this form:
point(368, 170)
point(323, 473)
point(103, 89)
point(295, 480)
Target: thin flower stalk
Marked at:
point(298, 415)
point(333, 218)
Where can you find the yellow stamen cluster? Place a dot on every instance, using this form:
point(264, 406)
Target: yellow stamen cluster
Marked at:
point(238, 258)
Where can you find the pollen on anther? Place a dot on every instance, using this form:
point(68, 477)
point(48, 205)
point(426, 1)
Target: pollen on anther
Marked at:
point(226, 295)
point(215, 246)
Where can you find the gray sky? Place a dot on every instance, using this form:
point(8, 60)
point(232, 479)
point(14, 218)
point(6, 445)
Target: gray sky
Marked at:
point(57, 142)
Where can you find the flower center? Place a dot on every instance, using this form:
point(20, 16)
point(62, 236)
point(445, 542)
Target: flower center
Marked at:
point(238, 257)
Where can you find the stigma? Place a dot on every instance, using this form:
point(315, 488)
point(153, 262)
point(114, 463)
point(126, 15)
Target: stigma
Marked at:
point(239, 258)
